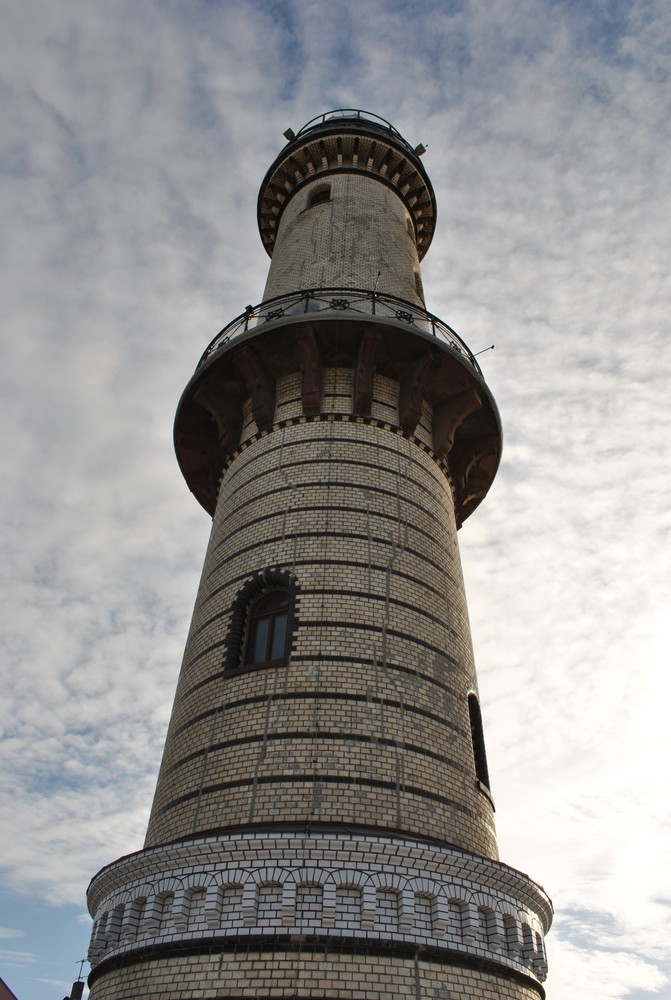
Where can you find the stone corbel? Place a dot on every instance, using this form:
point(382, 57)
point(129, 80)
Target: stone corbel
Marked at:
point(260, 386)
point(289, 904)
point(180, 910)
point(131, 919)
point(249, 904)
point(449, 416)
point(470, 923)
point(364, 373)
point(413, 390)
point(310, 363)
point(468, 467)
point(202, 459)
point(467, 456)
point(228, 420)
point(368, 907)
point(329, 903)
point(213, 906)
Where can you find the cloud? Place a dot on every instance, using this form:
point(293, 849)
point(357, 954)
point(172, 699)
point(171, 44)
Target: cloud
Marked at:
point(17, 959)
point(609, 975)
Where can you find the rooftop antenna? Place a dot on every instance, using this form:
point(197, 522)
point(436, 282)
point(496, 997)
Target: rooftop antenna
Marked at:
point(77, 990)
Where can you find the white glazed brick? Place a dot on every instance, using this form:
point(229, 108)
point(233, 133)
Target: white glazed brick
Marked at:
point(372, 888)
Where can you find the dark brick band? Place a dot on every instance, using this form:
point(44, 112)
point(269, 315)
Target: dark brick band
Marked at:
point(285, 944)
point(324, 697)
point(311, 779)
point(359, 738)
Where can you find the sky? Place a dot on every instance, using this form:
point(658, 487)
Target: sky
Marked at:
point(135, 136)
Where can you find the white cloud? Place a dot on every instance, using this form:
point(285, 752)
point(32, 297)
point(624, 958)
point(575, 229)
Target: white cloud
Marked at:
point(608, 975)
point(16, 959)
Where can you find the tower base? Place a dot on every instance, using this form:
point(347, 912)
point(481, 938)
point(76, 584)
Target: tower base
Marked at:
point(318, 912)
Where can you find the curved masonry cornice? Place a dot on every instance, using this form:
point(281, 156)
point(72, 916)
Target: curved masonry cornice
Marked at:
point(347, 146)
point(465, 425)
point(351, 888)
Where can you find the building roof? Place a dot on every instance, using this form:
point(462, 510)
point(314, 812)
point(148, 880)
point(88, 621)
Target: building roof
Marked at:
point(5, 992)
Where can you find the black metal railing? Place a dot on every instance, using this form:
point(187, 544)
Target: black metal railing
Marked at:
point(353, 301)
point(333, 118)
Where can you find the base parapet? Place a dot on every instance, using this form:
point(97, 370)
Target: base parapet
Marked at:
point(339, 894)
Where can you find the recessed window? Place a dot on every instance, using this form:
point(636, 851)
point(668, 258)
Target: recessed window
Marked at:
point(477, 734)
point(267, 635)
point(419, 288)
point(320, 195)
point(263, 621)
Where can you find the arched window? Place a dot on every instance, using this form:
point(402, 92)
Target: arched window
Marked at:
point(267, 629)
point(263, 620)
point(478, 736)
point(319, 195)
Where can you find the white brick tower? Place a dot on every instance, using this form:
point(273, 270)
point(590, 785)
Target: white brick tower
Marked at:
point(323, 824)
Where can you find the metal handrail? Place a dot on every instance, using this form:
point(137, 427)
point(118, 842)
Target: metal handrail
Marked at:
point(333, 116)
point(338, 299)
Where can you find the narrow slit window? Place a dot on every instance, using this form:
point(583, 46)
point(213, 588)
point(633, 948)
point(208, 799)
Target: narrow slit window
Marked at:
point(478, 737)
point(419, 287)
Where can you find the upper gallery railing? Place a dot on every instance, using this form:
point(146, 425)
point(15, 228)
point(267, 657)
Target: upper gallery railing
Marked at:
point(333, 118)
point(350, 300)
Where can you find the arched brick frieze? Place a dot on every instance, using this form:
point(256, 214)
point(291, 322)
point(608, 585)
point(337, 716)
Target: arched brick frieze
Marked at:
point(356, 898)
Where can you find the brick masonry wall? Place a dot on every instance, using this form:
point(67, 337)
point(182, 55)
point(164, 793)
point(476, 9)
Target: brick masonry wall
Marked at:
point(367, 722)
point(320, 974)
point(365, 893)
point(361, 238)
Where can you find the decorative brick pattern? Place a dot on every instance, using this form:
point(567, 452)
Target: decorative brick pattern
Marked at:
point(361, 889)
point(321, 972)
point(327, 153)
point(361, 519)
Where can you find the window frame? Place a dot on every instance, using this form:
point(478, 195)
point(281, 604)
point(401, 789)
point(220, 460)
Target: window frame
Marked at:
point(320, 195)
point(257, 615)
point(478, 741)
point(256, 587)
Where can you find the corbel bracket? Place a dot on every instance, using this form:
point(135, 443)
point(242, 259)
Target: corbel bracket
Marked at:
point(364, 372)
point(472, 464)
point(450, 415)
point(414, 383)
point(228, 419)
point(310, 363)
point(260, 386)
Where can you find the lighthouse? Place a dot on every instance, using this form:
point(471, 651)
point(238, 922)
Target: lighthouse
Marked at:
point(323, 822)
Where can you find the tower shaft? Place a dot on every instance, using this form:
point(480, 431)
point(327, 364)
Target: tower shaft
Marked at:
point(323, 823)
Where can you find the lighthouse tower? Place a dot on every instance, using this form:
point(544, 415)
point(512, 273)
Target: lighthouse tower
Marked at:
point(323, 821)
